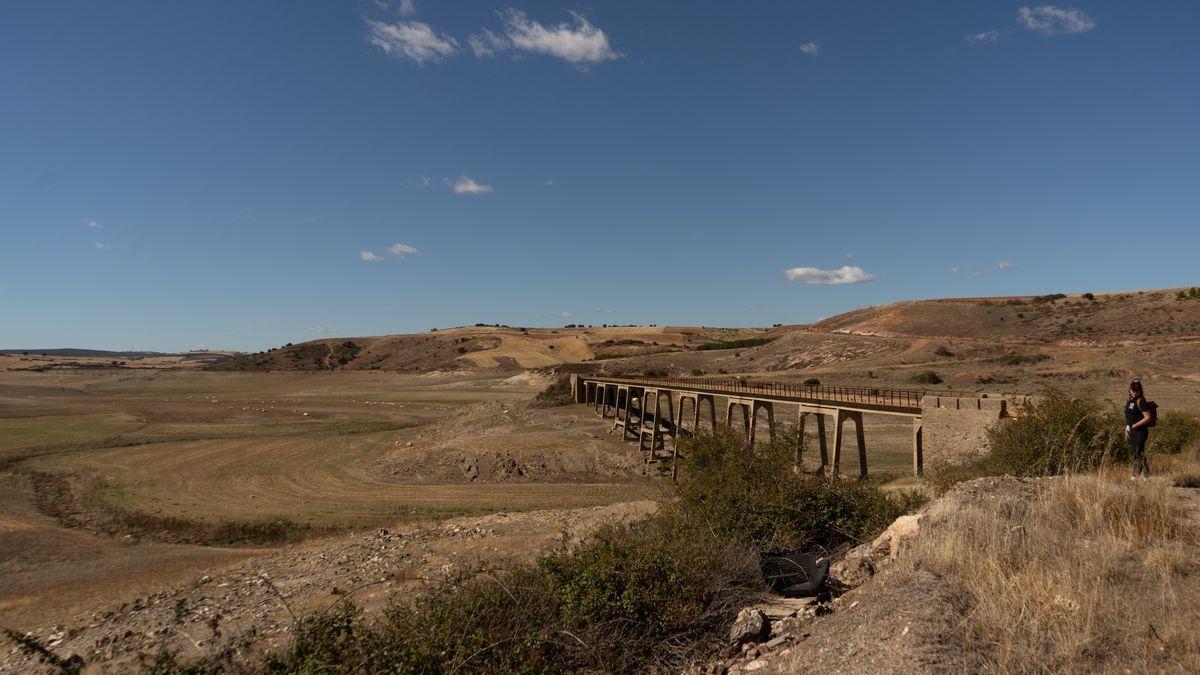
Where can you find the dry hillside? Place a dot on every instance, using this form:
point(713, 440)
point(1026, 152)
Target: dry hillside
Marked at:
point(480, 347)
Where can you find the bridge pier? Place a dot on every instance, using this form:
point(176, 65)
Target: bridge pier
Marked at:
point(918, 442)
point(652, 414)
point(755, 407)
point(684, 398)
point(712, 410)
point(838, 435)
point(744, 406)
point(821, 443)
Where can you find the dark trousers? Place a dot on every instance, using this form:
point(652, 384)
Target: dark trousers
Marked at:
point(1137, 443)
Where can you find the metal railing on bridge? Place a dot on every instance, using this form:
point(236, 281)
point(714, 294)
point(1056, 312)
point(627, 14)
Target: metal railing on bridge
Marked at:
point(901, 398)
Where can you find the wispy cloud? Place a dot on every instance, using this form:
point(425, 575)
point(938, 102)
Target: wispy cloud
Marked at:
point(951, 270)
point(816, 276)
point(485, 44)
point(369, 256)
point(579, 42)
point(987, 37)
point(810, 48)
point(322, 329)
point(466, 186)
point(549, 183)
point(1005, 264)
point(103, 246)
point(566, 315)
point(412, 40)
point(1054, 20)
point(402, 250)
point(91, 222)
point(407, 8)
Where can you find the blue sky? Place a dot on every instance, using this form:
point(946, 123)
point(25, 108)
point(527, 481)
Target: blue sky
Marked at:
point(233, 174)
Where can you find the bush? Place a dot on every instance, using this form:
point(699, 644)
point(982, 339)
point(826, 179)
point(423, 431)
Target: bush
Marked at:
point(1058, 434)
point(755, 497)
point(927, 377)
point(943, 351)
point(812, 382)
point(1020, 359)
point(636, 597)
point(735, 344)
point(1175, 433)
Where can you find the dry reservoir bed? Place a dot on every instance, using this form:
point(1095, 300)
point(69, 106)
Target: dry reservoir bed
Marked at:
point(115, 483)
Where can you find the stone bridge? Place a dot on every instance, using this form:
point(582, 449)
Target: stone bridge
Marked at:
point(945, 427)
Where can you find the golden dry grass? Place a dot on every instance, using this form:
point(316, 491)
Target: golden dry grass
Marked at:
point(1088, 574)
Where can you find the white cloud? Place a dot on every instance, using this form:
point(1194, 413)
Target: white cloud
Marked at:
point(849, 255)
point(402, 250)
point(91, 222)
point(411, 39)
point(951, 270)
point(1005, 264)
point(1054, 20)
point(579, 43)
point(102, 246)
point(842, 275)
point(810, 48)
point(486, 43)
point(466, 186)
point(549, 183)
point(987, 37)
point(322, 329)
point(368, 256)
point(976, 274)
point(566, 315)
point(407, 7)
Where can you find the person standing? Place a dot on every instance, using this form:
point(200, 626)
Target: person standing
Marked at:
point(1139, 417)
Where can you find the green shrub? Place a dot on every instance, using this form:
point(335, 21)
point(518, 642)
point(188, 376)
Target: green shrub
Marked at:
point(636, 597)
point(1059, 433)
point(1175, 432)
point(927, 377)
point(609, 355)
point(1020, 359)
point(755, 497)
point(735, 344)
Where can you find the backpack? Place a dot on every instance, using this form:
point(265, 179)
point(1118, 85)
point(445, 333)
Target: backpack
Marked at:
point(1152, 408)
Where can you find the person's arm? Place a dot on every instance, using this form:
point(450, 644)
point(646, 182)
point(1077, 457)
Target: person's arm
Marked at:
point(1145, 416)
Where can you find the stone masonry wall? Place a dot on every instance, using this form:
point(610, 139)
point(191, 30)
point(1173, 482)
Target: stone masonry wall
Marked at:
point(954, 430)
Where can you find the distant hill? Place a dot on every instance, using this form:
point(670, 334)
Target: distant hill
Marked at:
point(483, 347)
point(82, 353)
point(1076, 319)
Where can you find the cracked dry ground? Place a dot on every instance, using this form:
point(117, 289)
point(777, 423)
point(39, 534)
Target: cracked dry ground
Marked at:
point(259, 598)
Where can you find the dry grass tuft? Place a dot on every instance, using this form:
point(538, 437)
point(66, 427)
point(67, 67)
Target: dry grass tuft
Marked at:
point(1089, 574)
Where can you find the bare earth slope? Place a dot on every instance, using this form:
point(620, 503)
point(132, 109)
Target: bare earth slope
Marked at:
point(479, 347)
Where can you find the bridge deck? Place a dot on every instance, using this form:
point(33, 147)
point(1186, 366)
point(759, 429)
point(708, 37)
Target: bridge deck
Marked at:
point(866, 399)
